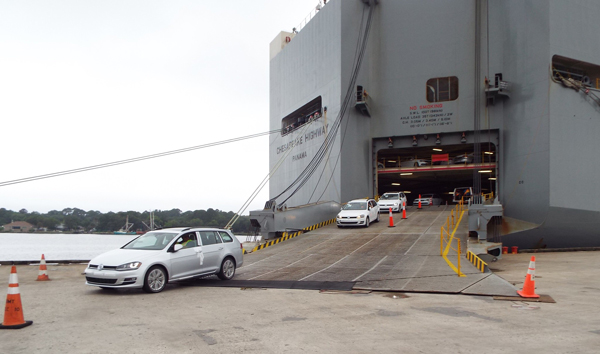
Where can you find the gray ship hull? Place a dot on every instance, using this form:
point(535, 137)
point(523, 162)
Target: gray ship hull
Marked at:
point(511, 83)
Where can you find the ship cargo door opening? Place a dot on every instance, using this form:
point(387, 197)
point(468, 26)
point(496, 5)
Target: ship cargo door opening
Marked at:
point(435, 170)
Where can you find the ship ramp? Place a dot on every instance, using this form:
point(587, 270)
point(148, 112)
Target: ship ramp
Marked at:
point(403, 258)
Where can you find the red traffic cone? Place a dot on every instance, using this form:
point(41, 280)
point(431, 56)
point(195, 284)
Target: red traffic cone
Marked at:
point(43, 273)
point(13, 312)
point(529, 286)
point(419, 202)
point(391, 219)
point(403, 210)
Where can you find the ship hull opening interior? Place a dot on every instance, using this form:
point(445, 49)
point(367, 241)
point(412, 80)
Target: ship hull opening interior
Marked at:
point(437, 169)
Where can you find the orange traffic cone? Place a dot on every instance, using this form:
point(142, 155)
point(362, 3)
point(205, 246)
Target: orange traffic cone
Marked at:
point(419, 202)
point(529, 286)
point(13, 312)
point(391, 219)
point(403, 210)
point(43, 273)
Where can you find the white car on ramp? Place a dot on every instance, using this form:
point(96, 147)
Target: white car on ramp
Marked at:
point(359, 212)
point(392, 200)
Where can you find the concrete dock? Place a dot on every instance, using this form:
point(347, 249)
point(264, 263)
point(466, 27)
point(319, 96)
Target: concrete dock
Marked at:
point(70, 317)
point(400, 299)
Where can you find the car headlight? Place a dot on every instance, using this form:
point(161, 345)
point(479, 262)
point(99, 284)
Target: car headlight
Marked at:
point(395, 204)
point(362, 216)
point(129, 266)
point(338, 216)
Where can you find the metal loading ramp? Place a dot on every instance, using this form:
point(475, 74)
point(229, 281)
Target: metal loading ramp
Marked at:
point(401, 258)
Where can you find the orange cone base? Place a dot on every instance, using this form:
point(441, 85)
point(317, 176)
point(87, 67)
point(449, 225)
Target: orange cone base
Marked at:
point(522, 294)
point(42, 277)
point(391, 222)
point(17, 326)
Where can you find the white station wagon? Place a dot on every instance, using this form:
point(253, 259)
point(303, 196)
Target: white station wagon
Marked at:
point(161, 256)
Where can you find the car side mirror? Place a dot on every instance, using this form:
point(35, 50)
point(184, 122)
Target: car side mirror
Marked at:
point(177, 247)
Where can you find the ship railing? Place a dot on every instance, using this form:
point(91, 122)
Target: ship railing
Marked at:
point(309, 17)
point(448, 241)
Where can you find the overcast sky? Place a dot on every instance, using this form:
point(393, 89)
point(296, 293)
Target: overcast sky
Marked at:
point(90, 82)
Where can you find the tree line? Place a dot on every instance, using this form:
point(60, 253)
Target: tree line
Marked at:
point(78, 220)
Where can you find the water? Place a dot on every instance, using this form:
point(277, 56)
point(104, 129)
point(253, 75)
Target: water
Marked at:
point(60, 247)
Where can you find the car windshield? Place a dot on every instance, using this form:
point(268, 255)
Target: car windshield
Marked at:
point(462, 192)
point(355, 206)
point(151, 241)
point(389, 196)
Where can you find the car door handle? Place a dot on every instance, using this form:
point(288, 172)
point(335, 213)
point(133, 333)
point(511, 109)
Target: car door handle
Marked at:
point(220, 248)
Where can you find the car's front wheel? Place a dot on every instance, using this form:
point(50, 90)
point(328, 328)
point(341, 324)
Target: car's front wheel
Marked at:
point(155, 280)
point(367, 222)
point(227, 269)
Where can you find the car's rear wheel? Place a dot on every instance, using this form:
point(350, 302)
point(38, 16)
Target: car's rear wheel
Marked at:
point(227, 269)
point(377, 220)
point(155, 280)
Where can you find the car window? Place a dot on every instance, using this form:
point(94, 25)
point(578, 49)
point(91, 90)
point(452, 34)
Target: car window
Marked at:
point(188, 240)
point(208, 238)
point(462, 193)
point(355, 206)
point(387, 196)
point(225, 236)
point(151, 241)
